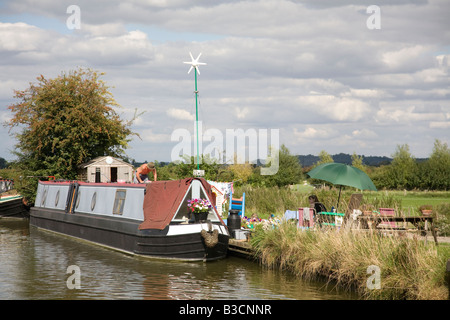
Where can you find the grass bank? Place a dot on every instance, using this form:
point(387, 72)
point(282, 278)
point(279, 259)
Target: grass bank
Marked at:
point(409, 269)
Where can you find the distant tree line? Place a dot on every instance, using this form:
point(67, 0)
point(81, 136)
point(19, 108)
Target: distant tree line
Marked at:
point(3, 163)
point(405, 172)
point(310, 160)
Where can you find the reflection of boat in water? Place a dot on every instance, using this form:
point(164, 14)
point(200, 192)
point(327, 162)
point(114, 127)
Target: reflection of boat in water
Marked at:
point(151, 220)
point(13, 207)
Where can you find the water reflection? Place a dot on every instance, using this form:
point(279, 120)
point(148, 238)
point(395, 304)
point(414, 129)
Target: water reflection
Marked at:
point(34, 266)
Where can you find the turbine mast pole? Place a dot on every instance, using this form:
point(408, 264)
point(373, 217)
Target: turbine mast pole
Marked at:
point(196, 116)
point(194, 65)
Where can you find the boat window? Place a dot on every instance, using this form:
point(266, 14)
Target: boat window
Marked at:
point(44, 197)
point(93, 201)
point(57, 199)
point(78, 200)
point(119, 201)
point(184, 213)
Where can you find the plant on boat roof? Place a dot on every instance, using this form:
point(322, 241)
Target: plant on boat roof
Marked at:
point(199, 205)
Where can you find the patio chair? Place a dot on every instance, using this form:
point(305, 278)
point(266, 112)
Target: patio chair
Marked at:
point(353, 204)
point(238, 204)
point(306, 217)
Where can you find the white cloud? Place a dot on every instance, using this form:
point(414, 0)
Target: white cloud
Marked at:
point(20, 36)
point(405, 56)
point(180, 114)
point(311, 68)
point(336, 108)
point(315, 133)
point(149, 135)
point(364, 134)
point(440, 124)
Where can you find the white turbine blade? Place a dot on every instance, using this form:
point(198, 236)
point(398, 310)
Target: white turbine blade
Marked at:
point(199, 56)
point(190, 69)
point(198, 70)
point(191, 56)
point(201, 64)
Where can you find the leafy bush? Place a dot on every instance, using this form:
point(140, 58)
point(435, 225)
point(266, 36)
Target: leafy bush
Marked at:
point(442, 212)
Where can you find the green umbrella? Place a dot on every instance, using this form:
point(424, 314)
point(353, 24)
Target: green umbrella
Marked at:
point(343, 175)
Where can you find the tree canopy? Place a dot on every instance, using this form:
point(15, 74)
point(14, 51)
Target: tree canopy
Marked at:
point(66, 121)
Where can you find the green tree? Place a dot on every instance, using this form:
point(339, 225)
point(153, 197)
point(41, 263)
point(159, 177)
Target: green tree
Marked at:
point(184, 169)
point(324, 157)
point(402, 171)
point(241, 172)
point(64, 122)
point(357, 162)
point(437, 168)
point(289, 170)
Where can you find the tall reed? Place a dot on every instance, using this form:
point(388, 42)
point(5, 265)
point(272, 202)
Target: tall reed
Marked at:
point(410, 269)
point(265, 201)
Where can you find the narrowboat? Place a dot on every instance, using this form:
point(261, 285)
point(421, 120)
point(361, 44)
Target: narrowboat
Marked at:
point(13, 207)
point(152, 219)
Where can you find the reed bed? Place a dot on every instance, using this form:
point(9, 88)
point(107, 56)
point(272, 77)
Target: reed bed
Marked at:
point(410, 269)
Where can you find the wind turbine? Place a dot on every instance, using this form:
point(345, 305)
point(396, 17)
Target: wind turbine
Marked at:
point(194, 65)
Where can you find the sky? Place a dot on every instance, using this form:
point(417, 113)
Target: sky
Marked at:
point(339, 76)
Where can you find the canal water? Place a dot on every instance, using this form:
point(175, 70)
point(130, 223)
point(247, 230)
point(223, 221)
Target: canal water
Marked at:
point(37, 264)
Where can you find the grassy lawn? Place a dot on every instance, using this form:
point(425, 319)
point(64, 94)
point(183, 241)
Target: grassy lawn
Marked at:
point(418, 200)
point(412, 200)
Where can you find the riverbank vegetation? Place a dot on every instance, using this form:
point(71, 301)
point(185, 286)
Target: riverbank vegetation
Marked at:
point(408, 268)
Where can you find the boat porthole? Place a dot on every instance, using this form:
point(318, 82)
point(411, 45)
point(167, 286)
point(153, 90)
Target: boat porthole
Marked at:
point(57, 199)
point(94, 199)
point(44, 197)
point(78, 200)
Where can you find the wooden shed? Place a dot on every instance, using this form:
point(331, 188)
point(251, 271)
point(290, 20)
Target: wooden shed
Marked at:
point(106, 169)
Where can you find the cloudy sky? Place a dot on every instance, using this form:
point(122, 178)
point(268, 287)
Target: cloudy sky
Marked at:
point(327, 74)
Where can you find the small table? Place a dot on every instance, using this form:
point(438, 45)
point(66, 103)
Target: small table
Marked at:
point(376, 220)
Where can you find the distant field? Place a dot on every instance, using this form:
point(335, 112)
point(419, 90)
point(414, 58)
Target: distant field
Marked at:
point(418, 198)
point(410, 200)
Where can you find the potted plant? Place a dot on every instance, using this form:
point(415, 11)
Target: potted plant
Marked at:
point(367, 209)
point(200, 208)
point(426, 209)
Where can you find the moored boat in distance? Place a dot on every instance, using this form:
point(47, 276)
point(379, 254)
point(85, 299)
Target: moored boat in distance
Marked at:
point(13, 206)
point(144, 219)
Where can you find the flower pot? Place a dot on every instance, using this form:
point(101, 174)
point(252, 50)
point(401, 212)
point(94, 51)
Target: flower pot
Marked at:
point(200, 216)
